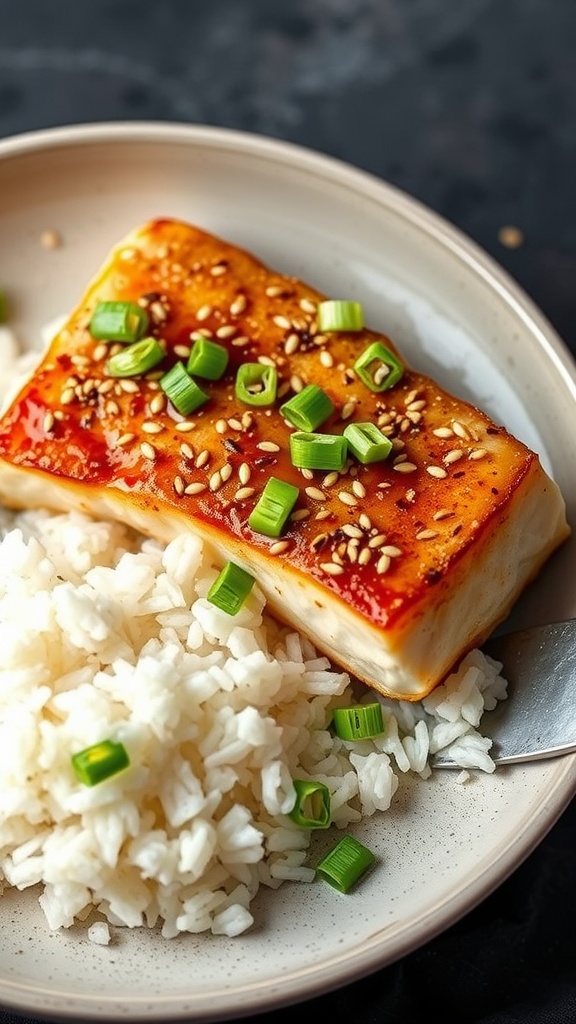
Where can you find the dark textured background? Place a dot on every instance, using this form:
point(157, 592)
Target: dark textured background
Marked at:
point(469, 105)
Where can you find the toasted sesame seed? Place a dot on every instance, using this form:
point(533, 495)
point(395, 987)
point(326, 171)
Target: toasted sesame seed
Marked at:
point(436, 471)
point(364, 521)
point(234, 424)
point(391, 550)
point(282, 321)
point(124, 439)
point(247, 420)
point(460, 430)
point(218, 269)
point(299, 515)
point(405, 467)
point(348, 409)
point(152, 427)
point(358, 489)
point(238, 305)
point(383, 564)
point(215, 482)
point(178, 484)
point(330, 479)
point(443, 432)
point(220, 426)
point(184, 426)
point(105, 386)
point(377, 541)
point(244, 473)
point(112, 407)
point(352, 551)
point(324, 513)
point(148, 450)
point(426, 534)
point(241, 340)
point(48, 422)
point(268, 446)
point(130, 387)
point(273, 291)
point(478, 453)
point(203, 313)
point(347, 499)
point(226, 471)
point(157, 403)
point(67, 396)
point(291, 344)
point(243, 493)
point(365, 556)
point(266, 361)
point(279, 547)
point(315, 493)
point(318, 541)
point(352, 531)
point(296, 383)
point(410, 494)
point(326, 358)
point(453, 456)
point(331, 568)
point(226, 331)
point(195, 488)
point(416, 406)
point(307, 306)
point(203, 459)
point(80, 360)
point(442, 513)
point(186, 451)
point(414, 417)
point(100, 352)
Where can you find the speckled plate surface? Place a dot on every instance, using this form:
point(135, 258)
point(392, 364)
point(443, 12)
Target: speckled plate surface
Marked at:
point(443, 847)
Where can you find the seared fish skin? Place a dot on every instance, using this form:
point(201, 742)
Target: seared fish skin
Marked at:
point(394, 569)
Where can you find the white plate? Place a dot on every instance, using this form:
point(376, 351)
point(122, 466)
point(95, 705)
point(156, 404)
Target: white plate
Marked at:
point(443, 847)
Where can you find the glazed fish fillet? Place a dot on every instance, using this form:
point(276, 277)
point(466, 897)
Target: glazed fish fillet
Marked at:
point(394, 568)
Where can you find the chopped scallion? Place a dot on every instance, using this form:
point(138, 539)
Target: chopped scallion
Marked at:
point(184, 393)
point(378, 367)
point(118, 321)
point(275, 504)
point(308, 408)
point(256, 384)
point(136, 359)
point(358, 723)
point(312, 807)
point(318, 451)
point(345, 863)
point(340, 315)
point(231, 588)
point(367, 442)
point(207, 359)
point(99, 762)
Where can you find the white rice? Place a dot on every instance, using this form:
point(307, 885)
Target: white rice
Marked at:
point(104, 634)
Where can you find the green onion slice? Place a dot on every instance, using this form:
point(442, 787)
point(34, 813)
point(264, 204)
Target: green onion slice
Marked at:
point(275, 504)
point(340, 315)
point(118, 321)
point(378, 367)
point(3, 307)
point(345, 863)
point(256, 384)
point(231, 588)
point(207, 359)
point(308, 409)
point(99, 762)
point(367, 442)
point(184, 393)
point(136, 359)
point(318, 451)
point(312, 807)
point(358, 723)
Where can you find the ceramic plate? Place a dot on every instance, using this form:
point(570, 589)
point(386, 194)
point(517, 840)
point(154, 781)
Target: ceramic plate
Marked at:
point(444, 846)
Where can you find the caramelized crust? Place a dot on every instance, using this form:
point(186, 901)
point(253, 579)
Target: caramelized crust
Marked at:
point(394, 569)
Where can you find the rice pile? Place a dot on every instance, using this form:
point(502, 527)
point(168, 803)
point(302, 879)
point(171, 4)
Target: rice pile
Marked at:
point(105, 634)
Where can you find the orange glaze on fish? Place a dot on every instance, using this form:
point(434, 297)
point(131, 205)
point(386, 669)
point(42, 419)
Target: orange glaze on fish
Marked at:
point(394, 569)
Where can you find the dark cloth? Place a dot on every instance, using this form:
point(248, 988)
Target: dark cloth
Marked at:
point(471, 107)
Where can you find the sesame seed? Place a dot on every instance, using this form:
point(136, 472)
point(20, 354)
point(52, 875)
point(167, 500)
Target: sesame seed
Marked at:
point(358, 489)
point(124, 439)
point(460, 430)
point(215, 482)
point(377, 541)
point(453, 456)
point(315, 493)
point(226, 471)
point(67, 396)
point(324, 513)
point(203, 459)
point(347, 499)
point(157, 404)
point(383, 564)
point(195, 488)
point(234, 424)
point(218, 269)
point(426, 534)
point(416, 406)
point(105, 386)
point(183, 351)
point(178, 485)
point(352, 551)
point(282, 321)
point(79, 360)
point(391, 550)
point(226, 331)
point(331, 568)
point(299, 515)
point(247, 420)
point(100, 352)
point(381, 373)
point(352, 531)
point(414, 417)
point(238, 305)
point(405, 467)
point(220, 426)
point(330, 479)
point(442, 513)
point(152, 427)
point(203, 313)
point(365, 556)
point(365, 521)
point(274, 290)
point(112, 407)
point(291, 344)
point(48, 422)
point(296, 383)
point(443, 432)
point(307, 306)
point(436, 471)
point(184, 426)
point(242, 339)
point(243, 493)
point(186, 451)
point(244, 473)
point(307, 474)
point(326, 358)
point(348, 409)
point(266, 361)
point(130, 387)
point(279, 547)
point(148, 450)
point(268, 446)
point(478, 453)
